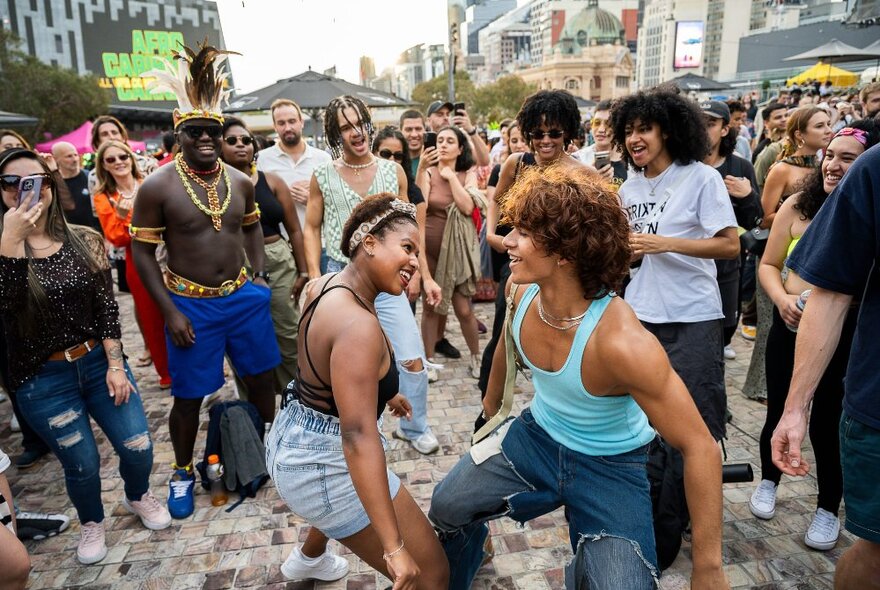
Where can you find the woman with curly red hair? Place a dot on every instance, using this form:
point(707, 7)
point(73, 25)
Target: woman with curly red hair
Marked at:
point(583, 442)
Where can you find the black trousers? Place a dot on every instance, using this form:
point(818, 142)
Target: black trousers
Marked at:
point(824, 415)
point(497, 327)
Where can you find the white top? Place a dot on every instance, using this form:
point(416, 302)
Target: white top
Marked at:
point(673, 287)
point(586, 154)
point(273, 159)
point(4, 461)
point(5, 503)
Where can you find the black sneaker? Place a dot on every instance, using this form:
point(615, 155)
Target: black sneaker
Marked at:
point(445, 348)
point(36, 525)
point(29, 458)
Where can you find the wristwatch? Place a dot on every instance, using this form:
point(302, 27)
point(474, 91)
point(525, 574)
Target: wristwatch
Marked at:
point(472, 133)
point(262, 275)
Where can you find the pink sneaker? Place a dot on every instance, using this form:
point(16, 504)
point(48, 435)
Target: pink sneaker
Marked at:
point(152, 513)
point(92, 548)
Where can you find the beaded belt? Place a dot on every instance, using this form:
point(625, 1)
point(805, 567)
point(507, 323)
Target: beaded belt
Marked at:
point(181, 286)
point(74, 353)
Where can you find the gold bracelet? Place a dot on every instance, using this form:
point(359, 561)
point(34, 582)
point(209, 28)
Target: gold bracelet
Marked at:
point(387, 556)
point(116, 368)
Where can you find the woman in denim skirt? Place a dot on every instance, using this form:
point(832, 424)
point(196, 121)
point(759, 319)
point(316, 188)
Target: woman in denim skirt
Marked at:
point(325, 451)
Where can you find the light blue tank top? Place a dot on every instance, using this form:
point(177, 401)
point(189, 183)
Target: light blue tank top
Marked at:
point(589, 424)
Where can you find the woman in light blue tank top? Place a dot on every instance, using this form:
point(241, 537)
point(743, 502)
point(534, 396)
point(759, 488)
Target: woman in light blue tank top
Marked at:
point(601, 380)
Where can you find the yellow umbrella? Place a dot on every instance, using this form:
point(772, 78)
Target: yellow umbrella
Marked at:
point(823, 72)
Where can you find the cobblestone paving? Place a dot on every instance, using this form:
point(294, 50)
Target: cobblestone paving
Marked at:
point(214, 549)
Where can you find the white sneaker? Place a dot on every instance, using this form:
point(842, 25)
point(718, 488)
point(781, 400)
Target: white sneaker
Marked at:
point(433, 375)
point(92, 548)
point(328, 567)
point(152, 513)
point(14, 426)
point(763, 500)
point(823, 531)
point(729, 353)
point(474, 367)
point(426, 443)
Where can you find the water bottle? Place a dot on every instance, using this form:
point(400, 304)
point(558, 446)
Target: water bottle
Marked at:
point(215, 477)
point(801, 303)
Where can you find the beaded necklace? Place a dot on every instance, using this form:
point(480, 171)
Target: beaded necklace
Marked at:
point(213, 210)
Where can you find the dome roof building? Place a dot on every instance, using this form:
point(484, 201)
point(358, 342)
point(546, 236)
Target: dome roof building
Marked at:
point(590, 27)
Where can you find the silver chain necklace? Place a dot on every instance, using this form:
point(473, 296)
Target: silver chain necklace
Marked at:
point(657, 182)
point(575, 321)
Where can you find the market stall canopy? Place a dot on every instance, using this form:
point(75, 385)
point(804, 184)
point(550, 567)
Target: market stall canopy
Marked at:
point(81, 137)
point(8, 119)
point(692, 82)
point(823, 72)
point(832, 52)
point(311, 90)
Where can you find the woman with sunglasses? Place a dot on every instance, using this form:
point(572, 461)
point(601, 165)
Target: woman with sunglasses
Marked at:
point(448, 187)
point(53, 274)
point(118, 181)
point(283, 258)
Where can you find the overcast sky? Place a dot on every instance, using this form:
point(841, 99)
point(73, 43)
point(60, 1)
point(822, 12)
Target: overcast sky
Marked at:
point(282, 38)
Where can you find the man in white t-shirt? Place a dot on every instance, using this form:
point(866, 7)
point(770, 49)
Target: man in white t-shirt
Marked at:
point(682, 220)
point(292, 158)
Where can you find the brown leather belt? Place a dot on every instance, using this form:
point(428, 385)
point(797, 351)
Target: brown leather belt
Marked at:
point(186, 288)
point(74, 353)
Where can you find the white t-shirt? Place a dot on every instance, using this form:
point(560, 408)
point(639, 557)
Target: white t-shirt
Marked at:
point(5, 506)
point(273, 159)
point(673, 287)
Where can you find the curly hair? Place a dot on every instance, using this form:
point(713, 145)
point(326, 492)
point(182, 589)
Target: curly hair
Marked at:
point(680, 120)
point(332, 131)
point(465, 160)
point(367, 209)
point(798, 121)
point(106, 182)
point(812, 187)
point(554, 108)
point(577, 215)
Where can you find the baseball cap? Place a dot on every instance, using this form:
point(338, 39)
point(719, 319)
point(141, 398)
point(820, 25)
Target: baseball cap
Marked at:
point(437, 105)
point(716, 108)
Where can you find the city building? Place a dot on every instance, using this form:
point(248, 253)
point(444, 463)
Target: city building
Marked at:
point(590, 59)
point(415, 65)
point(478, 14)
point(505, 45)
point(367, 70)
point(726, 23)
point(657, 60)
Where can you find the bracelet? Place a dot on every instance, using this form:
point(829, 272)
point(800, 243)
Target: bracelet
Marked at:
point(304, 275)
point(387, 556)
point(115, 368)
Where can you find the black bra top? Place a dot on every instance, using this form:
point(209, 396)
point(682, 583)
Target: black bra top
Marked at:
point(320, 397)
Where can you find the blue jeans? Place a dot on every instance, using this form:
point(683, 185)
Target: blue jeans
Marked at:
point(57, 403)
point(606, 499)
point(399, 324)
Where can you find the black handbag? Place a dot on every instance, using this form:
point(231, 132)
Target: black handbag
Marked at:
point(755, 240)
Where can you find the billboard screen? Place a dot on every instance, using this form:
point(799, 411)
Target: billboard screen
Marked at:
point(688, 44)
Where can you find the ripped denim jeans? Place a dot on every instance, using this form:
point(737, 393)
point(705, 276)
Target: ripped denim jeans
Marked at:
point(57, 403)
point(606, 499)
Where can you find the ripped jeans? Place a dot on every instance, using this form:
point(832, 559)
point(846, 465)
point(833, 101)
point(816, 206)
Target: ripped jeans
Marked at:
point(57, 403)
point(606, 499)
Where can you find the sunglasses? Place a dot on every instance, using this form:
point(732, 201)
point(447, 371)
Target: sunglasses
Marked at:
point(120, 157)
point(234, 139)
point(11, 182)
point(196, 131)
point(596, 123)
point(388, 154)
point(552, 134)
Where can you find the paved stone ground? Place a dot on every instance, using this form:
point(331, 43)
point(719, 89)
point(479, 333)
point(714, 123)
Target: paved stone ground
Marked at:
point(214, 549)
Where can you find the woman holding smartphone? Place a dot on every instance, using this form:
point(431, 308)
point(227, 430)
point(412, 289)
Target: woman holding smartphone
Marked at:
point(52, 274)
point(118, 181)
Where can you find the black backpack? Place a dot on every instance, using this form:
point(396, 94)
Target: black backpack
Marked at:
point(665, 469)
point(214, 446)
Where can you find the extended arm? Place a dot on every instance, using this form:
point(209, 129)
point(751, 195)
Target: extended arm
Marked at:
point(463, 200)
point(773, 260)
point(505, 179)
point(312, 230)
point(291, 224)
point(253, 232)
point(772, 194)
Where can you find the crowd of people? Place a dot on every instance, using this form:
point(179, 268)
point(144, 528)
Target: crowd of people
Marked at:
point(623, 264)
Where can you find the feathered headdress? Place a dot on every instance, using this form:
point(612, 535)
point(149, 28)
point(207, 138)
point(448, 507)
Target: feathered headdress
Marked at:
point(196, 79)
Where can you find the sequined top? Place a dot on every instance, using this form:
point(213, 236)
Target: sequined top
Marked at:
point(81, 306)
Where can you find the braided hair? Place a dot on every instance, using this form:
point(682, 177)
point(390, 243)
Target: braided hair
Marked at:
point(332, 131)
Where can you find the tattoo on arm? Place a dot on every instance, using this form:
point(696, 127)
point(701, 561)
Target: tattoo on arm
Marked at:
point(114, 350)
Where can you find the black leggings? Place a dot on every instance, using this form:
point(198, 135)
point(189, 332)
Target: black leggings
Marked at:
point(825, 413)
point(497, 330)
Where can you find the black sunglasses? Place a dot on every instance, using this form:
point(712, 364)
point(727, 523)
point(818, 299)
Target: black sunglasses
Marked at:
point(120, 157)
point(233, 139)
point(552, 134)
point(387, 154)
point(196, 131)
point(11, 182)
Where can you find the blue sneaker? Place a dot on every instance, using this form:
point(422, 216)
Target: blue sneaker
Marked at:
point(181, 502)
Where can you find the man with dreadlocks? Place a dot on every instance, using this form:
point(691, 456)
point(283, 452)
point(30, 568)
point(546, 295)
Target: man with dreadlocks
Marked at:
point(205, 213)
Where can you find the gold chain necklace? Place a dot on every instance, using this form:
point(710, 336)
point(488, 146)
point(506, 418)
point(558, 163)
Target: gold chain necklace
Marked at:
point(213, 210)
point(574, 322)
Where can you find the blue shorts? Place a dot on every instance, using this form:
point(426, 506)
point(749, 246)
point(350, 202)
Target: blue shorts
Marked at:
point(239, 325)
point(860, 457)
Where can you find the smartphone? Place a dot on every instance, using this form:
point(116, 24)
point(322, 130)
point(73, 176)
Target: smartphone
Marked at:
point(29, 192)
point(459, 106)
point(602, 160)
point(430, 139)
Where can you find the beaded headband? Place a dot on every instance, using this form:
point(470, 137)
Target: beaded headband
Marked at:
point(858, 134)
point(368, 226)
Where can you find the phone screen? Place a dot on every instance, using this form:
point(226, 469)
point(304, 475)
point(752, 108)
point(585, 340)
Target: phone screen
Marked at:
point(430, 139)
point(459, 106)
point(29, 192)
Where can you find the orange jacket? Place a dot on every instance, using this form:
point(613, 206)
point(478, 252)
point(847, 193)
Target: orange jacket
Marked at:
point(115, 229)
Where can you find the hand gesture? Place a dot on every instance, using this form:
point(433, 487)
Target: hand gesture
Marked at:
point(180, 329)
point(647, 244)
point(433, 292)
point(400, 407)
point(119, 385)
point(607, 172)
point(789, 310)
point(447, 173)
point(462, 120)
point(430, 157)
point(49, 159)
point(785, 445)
point(299, 191)
point(403, 570)
point(19, 222)
point(737, 186)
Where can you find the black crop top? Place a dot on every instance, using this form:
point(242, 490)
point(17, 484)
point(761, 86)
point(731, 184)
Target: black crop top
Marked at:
point(271, 211)
point(317, 396)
